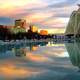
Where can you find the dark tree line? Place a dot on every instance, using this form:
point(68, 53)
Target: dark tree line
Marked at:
point(6, 34)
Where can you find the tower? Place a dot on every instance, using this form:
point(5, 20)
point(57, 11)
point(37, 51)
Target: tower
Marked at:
point(21, 23)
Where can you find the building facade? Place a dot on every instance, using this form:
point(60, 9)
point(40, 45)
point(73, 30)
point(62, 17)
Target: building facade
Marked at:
point(73, 27)
point(33, 28)
point(20, 23)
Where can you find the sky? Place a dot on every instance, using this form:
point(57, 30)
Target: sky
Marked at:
point(52, 15)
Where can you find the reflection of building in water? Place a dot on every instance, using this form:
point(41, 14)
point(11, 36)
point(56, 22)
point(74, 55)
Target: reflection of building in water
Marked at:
point(34, 48)
point(74, 53)
point(43, 43)
point(20, 49)
point(20, 52)
point(35, 45)
point(30, 45)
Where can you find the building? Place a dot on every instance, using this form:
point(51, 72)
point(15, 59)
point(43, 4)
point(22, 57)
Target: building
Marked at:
point(73, 27)
point(43, 32)
point(33, 28)
point(79, 7)
point(20, 23)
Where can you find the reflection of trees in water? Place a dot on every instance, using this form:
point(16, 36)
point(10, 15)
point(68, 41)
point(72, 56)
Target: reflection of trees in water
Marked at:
point(74, 53)
point(33, 46)
point(21, 49)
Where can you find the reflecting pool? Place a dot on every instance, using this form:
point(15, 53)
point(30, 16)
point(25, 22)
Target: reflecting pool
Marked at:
point(40, 61)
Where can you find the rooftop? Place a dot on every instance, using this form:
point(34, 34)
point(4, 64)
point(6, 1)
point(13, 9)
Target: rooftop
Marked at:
point(79, 7)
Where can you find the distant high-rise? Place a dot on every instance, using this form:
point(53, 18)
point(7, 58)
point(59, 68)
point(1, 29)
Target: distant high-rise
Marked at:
point(33, 28)
point(21, 23)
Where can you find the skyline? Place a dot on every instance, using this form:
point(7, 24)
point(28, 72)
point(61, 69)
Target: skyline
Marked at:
point(47, 14)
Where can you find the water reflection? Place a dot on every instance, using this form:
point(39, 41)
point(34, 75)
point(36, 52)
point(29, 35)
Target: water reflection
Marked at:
point(34, 61)
point(19, 49)
point(74, 52)
point(19, 52)
point(31, 45)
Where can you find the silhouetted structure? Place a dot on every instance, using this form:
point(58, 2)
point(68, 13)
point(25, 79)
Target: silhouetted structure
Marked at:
point(73, 27)
point(18, 32)
point(20, 23)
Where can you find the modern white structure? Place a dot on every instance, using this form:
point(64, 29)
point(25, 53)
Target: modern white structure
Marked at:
point(73, 26)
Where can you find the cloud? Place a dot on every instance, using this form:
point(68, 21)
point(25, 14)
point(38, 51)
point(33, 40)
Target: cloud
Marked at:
point(41, 12)
point(6, 21)
point(62, 4)
point(37, 17)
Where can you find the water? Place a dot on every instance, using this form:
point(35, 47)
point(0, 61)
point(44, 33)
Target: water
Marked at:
point(40, 61)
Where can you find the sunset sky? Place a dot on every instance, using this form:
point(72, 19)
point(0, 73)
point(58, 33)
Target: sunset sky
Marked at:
point(52, 15)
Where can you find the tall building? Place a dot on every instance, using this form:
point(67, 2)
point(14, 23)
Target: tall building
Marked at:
point(33, 28)
point(21, 23)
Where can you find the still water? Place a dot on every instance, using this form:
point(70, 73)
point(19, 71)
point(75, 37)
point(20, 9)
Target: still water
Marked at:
point(40, 61)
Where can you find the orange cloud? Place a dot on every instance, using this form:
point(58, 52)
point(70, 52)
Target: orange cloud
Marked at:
point(13, 7)
point(37, 17)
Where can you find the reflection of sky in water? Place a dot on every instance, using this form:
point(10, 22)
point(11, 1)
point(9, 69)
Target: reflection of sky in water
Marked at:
point(41, 61)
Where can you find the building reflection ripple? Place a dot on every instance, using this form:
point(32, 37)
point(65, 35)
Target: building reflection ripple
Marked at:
point(74, 52)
